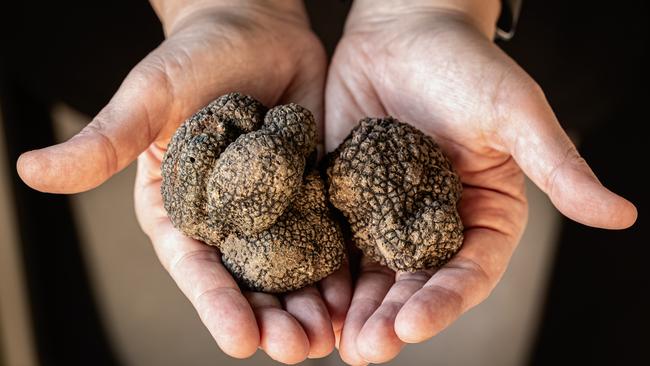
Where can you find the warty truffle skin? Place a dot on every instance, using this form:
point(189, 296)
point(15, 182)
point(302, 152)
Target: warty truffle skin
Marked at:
point(399, 193)
point(234, 176)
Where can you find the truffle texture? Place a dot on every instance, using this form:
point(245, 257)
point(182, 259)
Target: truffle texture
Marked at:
point(234, 176)
point(398, 192)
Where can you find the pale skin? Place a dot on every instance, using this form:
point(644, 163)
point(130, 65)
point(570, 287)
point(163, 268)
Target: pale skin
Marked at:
point(431, 63)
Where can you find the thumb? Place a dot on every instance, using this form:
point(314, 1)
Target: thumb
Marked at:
point(114, 138)
point(546, 154)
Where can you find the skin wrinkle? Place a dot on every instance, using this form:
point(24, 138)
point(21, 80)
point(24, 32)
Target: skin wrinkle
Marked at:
point(506, 162)
point(207, 254)
point(423, 275)
point(450, 296)
point(148, 127)
point(366, 300)
point(456, 148)
point(499, 96)
point(372, 90)
point(499, 112)
point(149, 75)
point(110, 153)
point(239, 29)
point(220, 317)
point(287, 346)
point(482, 227)
point(173, 67)
point(465, 263)
point(376, 270)
point(247, 10)
point(531, 147)
point(493, 217)
point(433, 127)
point(352, 97)
point(307, 306)
point(391, 304)
point(224, 290)
point(549, 184)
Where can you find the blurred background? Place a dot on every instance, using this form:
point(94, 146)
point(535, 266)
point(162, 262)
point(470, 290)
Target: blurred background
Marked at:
point(80, 283)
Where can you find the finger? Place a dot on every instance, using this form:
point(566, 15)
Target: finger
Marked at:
point(371, 287)
point(282, 336)
point(459, 285)
point(197, 270)
point(114, 138)
point(307, 306)
point(377, 342)
point(336, 290)
point(547, 155)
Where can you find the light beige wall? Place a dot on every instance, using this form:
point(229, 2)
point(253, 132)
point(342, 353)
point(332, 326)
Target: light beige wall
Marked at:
point(15, 331)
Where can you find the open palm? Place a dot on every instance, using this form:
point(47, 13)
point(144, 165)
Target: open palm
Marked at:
point(437, 71)
point(268, 54)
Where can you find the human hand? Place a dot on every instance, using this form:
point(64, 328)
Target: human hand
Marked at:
point(433, 64)
point(261, 48)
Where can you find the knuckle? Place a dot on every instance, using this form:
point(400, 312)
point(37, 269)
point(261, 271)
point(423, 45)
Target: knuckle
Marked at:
point(98, 130)
point(177, 263)
point(570, 157)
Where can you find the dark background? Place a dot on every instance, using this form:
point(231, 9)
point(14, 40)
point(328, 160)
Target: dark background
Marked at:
point(590, 59)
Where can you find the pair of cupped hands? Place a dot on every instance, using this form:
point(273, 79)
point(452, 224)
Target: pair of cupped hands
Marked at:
point(430, 63)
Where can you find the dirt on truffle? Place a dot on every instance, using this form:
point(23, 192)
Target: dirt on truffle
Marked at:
point(234, 176)
point(399, 193)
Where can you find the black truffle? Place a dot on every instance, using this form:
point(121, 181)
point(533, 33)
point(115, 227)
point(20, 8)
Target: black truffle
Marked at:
point(234, 176)
point(399, 193)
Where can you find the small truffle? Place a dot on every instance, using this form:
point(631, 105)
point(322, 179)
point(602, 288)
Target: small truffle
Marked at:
point(398, 192)
point(234, 176)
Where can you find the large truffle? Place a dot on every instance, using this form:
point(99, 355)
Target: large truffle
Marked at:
point(234, 176)
point(399, 193)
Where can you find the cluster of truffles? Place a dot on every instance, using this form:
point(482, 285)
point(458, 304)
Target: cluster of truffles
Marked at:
point(237, 176)
point(398, 192)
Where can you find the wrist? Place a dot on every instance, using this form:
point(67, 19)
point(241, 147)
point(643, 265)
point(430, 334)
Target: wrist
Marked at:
point(172, 12)
point(482, 14)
